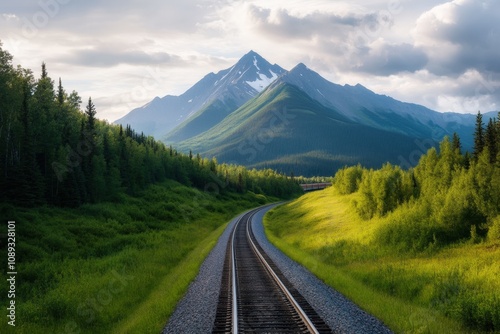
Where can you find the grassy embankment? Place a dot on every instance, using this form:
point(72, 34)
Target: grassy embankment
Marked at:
point(440, 290)
point(114, 267)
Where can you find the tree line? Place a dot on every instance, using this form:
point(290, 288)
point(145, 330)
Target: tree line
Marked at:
point(52, 152)
point(450, 195)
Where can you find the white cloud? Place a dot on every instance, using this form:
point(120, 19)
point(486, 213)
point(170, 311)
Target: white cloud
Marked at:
point(443, 55)
point(461, 35)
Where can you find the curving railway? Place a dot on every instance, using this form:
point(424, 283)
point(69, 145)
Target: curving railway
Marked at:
point(255, 297)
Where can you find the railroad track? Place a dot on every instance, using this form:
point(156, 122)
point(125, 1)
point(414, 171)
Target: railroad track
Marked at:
point(255, 296)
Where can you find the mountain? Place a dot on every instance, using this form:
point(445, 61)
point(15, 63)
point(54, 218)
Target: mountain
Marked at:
point(206, 103)
point(363, 106)
point(260, 115)
point(284, 128)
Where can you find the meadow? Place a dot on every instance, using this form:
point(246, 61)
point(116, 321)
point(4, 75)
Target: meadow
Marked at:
point(114, 267)
point(442, 288)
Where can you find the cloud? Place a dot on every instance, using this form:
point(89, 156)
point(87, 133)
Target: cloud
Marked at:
point(461, 35)
point(109, 58)
point(105, 48)
point(388, 59)
point(336, 39)
point(112, 17)
point(283, 24)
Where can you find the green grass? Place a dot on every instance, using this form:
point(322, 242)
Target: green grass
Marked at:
point(453, 289)
point(114, 267)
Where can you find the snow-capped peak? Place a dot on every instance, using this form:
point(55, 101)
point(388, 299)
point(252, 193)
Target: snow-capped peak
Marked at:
point(255, 63)
point(263, 81)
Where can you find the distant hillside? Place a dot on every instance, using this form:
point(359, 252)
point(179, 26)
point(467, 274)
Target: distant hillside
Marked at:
point(361, 105)
point(287, 130)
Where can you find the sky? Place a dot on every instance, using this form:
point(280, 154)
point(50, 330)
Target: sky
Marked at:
point(444, 55)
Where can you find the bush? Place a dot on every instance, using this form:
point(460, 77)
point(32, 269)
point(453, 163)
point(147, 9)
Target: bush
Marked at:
point(347, 179)
point(383, 190)
point(411, 229)
point(494, 229)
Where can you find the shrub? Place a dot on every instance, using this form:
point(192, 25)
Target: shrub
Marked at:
point(494, 229)
point(410, 229)
point(347, 179)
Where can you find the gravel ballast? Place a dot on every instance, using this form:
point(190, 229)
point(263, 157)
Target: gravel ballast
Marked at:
point(195, 313)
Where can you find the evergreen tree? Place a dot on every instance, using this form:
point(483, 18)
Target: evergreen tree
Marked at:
point(490, 140)
point(60, 93)
point(47, 132)
point(467, 160)
point(30, 189)
point(456, 144)
point(90, 111)
point(478, 136)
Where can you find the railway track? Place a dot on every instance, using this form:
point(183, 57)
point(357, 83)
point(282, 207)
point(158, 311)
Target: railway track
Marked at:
point(255, 297)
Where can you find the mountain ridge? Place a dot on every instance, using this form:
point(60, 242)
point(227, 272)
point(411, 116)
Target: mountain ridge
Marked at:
point(283, 127)
point(236, 99)
point(234, 85)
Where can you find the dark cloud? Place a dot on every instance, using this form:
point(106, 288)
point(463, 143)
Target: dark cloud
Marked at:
point(392, 59)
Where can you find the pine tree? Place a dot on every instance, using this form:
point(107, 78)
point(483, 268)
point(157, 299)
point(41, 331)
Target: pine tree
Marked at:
point(90, 111)
point(47, 132)
point(490, 140)
point(92, 161)
point(478, 136)
point(29, 179)
point(60, 93)
point(456, 144)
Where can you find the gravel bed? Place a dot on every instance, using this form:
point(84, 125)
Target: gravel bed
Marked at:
point(342, 315)
point(195, 313)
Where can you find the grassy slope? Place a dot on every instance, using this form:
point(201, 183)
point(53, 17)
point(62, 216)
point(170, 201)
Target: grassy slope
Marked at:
point(407, 291)
point(114, 267)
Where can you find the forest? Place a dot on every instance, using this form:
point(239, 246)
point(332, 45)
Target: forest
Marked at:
point(448, 196)
point(52, 152)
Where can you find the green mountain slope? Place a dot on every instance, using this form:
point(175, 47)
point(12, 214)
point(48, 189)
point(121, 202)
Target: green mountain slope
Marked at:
point(202, 121)
point(284, 128)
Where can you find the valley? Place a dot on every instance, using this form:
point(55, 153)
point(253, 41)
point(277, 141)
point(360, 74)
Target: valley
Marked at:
point(114, 221)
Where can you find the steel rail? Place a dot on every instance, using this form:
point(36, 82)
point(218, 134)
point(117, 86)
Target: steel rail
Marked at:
point(253, 282)
point(310, 326)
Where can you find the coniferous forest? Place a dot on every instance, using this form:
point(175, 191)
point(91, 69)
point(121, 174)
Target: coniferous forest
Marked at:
point(53, 150)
